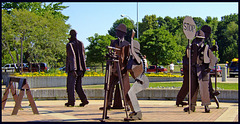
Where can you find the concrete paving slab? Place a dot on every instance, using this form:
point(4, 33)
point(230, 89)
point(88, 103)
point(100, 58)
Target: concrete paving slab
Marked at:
point(153, 111)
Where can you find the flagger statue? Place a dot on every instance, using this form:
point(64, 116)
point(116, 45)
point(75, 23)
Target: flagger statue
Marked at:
point(202, 60)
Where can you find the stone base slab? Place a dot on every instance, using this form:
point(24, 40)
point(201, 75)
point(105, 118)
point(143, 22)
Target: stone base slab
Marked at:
point(148, 94)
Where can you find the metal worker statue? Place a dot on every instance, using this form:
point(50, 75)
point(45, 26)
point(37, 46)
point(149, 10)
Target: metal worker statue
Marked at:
point(123, 55)
point(136, 69)
point(202, 59)
point(75, 67)
point(213, 94)
point(184, 89)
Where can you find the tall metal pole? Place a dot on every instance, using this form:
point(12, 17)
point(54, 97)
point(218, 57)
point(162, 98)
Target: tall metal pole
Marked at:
point(189, 61)
point(215, 70)
point(215, 96)
point(189, 30)
point(137, 22)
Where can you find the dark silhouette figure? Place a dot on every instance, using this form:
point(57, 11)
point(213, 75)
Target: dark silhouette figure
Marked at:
point(75, 67)
point(184, 89)
point(123, 54)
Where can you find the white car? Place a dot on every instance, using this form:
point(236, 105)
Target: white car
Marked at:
point(9, 68)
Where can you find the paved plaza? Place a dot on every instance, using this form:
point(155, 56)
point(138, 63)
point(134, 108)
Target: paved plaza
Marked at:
point(153, 111)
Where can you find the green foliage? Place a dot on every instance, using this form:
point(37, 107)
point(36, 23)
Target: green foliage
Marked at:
point(129, 24)
point(42, 31)
point(199, 22)
point(148, 22)
point(227, 37)
point(98, 48)
point(231, 35)
point(213, 23)
point(171, 24)
point(215, 52)
point(39, 8)
point(159, 46)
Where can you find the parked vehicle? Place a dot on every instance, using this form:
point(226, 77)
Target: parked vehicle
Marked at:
point(154, 67)
point(181, 70)
point(9, 67)
point(212, 71)
point(14, 67)
point(219, 71)
point(35, 67)
point(63, 68)
point(233, 69)
point(25, 67)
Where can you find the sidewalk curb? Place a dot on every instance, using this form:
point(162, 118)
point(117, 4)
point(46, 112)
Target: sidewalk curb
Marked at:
point(96, 94)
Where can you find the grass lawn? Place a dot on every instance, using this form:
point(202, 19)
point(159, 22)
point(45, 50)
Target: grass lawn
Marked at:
point(223, 86)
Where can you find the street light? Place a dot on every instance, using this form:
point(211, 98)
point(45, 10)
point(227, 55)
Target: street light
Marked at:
point(128, 17)
point(131, 21)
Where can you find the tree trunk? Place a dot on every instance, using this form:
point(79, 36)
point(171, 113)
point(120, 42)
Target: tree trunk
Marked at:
point(6, 46)
point(102, 68)
point(9, 51)
point(21, 56)
point(156, 65)
point(18, 63)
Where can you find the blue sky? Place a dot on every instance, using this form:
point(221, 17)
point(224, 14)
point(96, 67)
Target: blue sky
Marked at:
point(88, 18)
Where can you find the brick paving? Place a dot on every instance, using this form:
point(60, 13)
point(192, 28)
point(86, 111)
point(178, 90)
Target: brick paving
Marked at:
point(152, 110)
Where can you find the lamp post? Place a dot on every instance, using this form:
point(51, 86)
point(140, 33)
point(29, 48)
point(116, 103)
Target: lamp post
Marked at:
point(137, 20)
point(131, 21)
point(127, 17)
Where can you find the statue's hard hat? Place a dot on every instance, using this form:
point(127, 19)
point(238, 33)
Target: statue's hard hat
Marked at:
point(200, 34)
point(122, 27)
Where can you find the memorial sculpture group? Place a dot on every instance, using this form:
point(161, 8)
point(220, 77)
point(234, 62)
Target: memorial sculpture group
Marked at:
point(124, 58)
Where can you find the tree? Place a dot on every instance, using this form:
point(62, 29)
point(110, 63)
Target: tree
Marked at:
point(231, 50)
point(43, 37)
point(9, 41)
point(213, 23)
point(98, 49)
point(159, 46)
point(148, 22)
point(227, 37)
point(40, 27)
point(39, 8)
point(199, 22)
point(129, 24)
point(171, 24)
point(161, 21)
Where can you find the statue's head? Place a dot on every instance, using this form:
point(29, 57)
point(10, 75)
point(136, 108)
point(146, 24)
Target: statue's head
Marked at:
point(207, 30)
point(73, 33)
point(121, 30)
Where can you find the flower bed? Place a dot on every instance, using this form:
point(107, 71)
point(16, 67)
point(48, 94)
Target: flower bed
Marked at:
point(59, 78)
point(87, 74)
point(40, 74)
point(161, 74)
